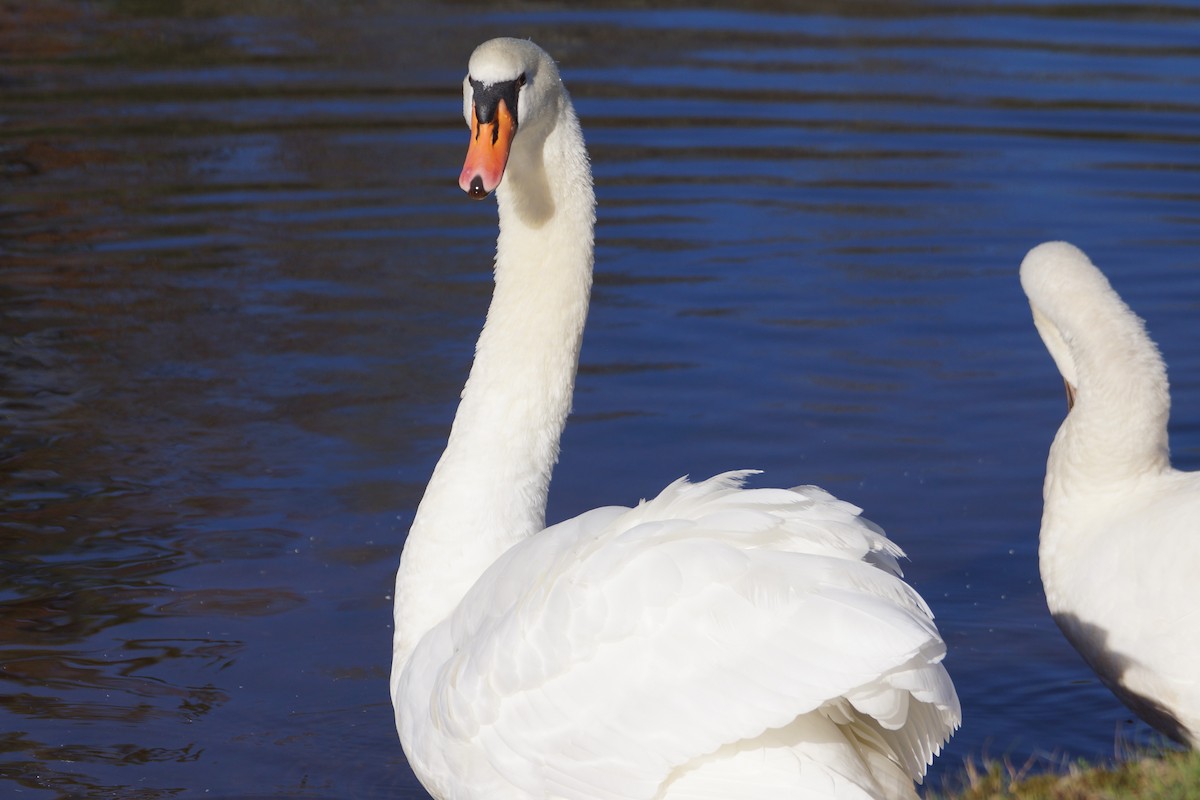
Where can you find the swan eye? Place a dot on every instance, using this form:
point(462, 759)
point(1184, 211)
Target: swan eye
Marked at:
point(521, 79)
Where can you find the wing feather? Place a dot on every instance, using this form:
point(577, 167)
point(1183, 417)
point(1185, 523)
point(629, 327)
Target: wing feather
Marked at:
point(595, 659)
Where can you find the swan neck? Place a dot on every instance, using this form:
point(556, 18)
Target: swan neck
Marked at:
point(489, 488)
point(1113, 441)
point(1117, 430)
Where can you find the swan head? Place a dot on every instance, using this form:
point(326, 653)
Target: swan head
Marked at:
point(1058, 278)
point(1092, 335)
point(510, 86)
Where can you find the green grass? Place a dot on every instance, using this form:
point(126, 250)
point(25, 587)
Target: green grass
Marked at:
point(1160, 775)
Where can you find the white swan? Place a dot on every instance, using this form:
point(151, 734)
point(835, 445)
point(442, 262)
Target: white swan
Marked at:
point(1120, 539)
point(712, 642)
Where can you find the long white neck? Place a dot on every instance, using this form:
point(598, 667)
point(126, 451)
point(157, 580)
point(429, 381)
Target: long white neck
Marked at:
point(1117, 430)
point(1114, 437)
point(489, 488)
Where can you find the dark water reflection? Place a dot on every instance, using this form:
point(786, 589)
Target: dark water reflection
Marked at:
point(239, 292)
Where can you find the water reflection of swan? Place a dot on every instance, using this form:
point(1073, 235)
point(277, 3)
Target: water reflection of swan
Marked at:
point(1120, 541)
point(711, 642)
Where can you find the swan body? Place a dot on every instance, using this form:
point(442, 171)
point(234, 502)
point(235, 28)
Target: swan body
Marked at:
point(1120, 536)
point(711, 642)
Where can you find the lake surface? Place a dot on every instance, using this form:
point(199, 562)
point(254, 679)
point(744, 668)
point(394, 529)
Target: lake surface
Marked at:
point(239, 290)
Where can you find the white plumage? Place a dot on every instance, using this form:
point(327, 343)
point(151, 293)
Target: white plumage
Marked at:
point(711, 642)
point(1120, 537)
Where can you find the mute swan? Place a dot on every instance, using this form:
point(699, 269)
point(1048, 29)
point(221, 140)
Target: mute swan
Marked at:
point(712, 642)
point(1120, 539)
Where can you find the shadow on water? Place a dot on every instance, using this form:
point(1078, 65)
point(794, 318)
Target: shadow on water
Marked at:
point(239, 290)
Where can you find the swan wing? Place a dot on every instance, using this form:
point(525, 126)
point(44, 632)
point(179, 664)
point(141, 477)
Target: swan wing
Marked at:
point(617, 648)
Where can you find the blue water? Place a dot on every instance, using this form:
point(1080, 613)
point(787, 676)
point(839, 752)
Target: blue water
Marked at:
point(239, 290)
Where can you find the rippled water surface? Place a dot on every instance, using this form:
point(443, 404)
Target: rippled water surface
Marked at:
point(239, 289)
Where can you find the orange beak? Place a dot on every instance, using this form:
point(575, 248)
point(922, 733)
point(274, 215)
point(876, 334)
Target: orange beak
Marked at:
point(487, 153)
